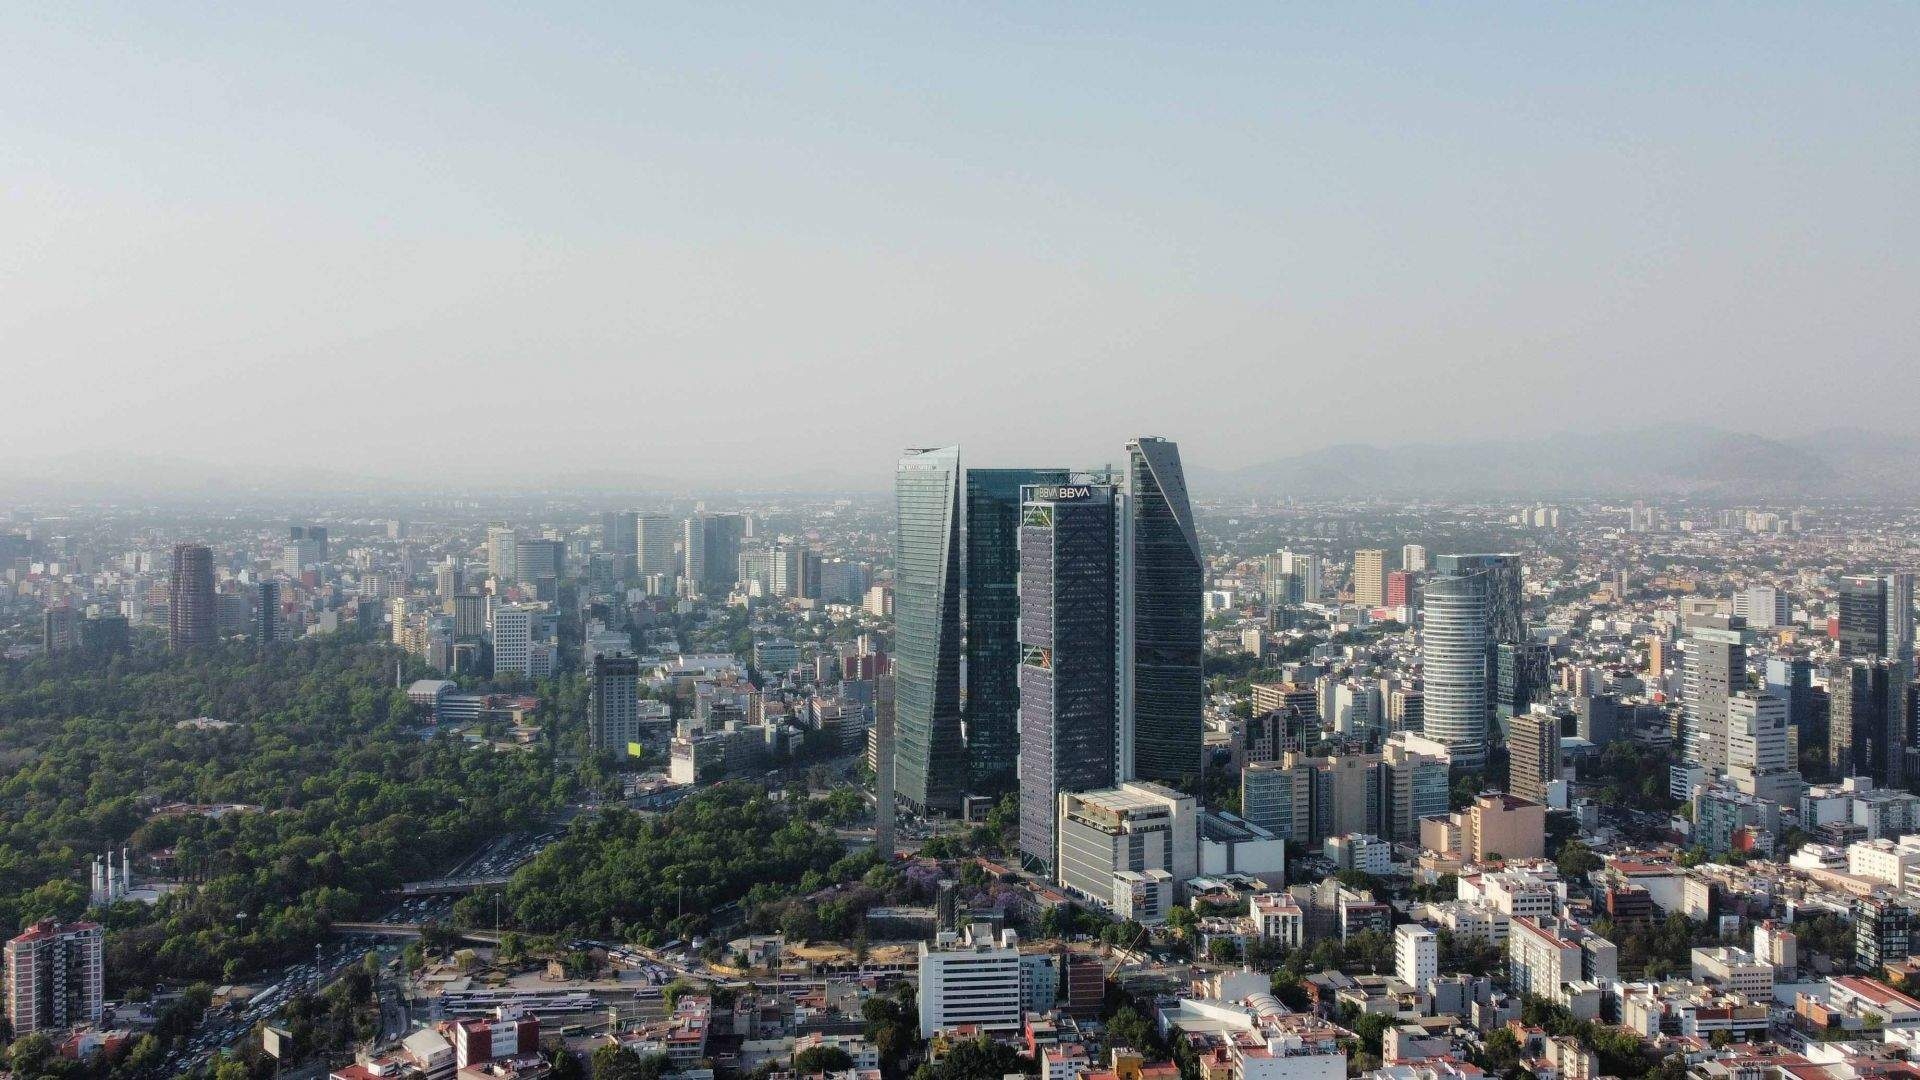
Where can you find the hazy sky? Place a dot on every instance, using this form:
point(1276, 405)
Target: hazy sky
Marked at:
point(412, 239)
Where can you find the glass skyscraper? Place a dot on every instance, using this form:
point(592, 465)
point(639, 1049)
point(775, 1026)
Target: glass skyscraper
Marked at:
point(1163, 625)
point(1066, 668)
point(991, 616)
point(929, 753)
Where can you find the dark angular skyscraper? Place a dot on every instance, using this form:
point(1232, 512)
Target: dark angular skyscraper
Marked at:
point(266, 618)
point(930, 755)
point(1067, 657)
point(1162, 640)
point(191, 618)
point(991, 614)
point(1867, 724)
point(1863, 616)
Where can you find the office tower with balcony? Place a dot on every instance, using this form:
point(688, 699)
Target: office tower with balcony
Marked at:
point(1163, 575)
point(1370, 577)
point(613, 704)
point(192, 619)
point(929, 747)
point(1066, 670)
point(1715, 667)
point(655, 534)
point(990, 614)
point(56, 977)
point(1534, 747)
point(266, 617)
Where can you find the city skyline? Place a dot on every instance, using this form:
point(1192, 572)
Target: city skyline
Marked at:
point(714, 222)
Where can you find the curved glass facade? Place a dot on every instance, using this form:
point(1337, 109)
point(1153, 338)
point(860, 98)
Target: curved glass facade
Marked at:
point(1453, 658)
point(929, 754)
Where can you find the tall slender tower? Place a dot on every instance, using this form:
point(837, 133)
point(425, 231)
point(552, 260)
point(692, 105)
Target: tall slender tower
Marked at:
point(191, 618)
point(1066, 668)
point(1162, 640)
point(883, 765)
point(990, 614)
point(1454, 657)
point(930, 761)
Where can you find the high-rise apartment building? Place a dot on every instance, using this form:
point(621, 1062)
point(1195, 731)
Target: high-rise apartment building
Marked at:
point(1399, 588)
point(693, 552)
point(990, 613)
point(654, 537)
point(1763, 606)
point(1370, 577)
point(1067, 632)
point(613, 704)
point(192, 619)
point(1162, 622)
point(512, 627)
point(1413, 558)
point(503, 553)
point(56, 977)
point(970, 979)
point(1534, 746)
point(1416, 955)
point(930, 752)
point(1758, 761)
point(1715, 668)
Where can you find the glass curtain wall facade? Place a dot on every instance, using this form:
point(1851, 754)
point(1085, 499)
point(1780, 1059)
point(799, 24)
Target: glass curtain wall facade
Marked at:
point(930, 752)
point(1067, 660)
point(1454, 653)
point(1166, 578)
point(991, 616)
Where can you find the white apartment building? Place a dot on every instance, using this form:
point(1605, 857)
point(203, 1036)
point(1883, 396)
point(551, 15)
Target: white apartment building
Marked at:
point(969, 978)
point(1896, 862)
point(1736, 970)
point(1518, 895)
point(1758, 762)
point(1277, 918)
point(513, 640)
point(1562, 962)
point(1416, 955)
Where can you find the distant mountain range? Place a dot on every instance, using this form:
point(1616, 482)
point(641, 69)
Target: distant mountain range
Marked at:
point(1648, 462)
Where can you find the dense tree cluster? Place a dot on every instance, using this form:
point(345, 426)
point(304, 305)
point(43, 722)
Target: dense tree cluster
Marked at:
point(633, 876)
point(351, 800)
